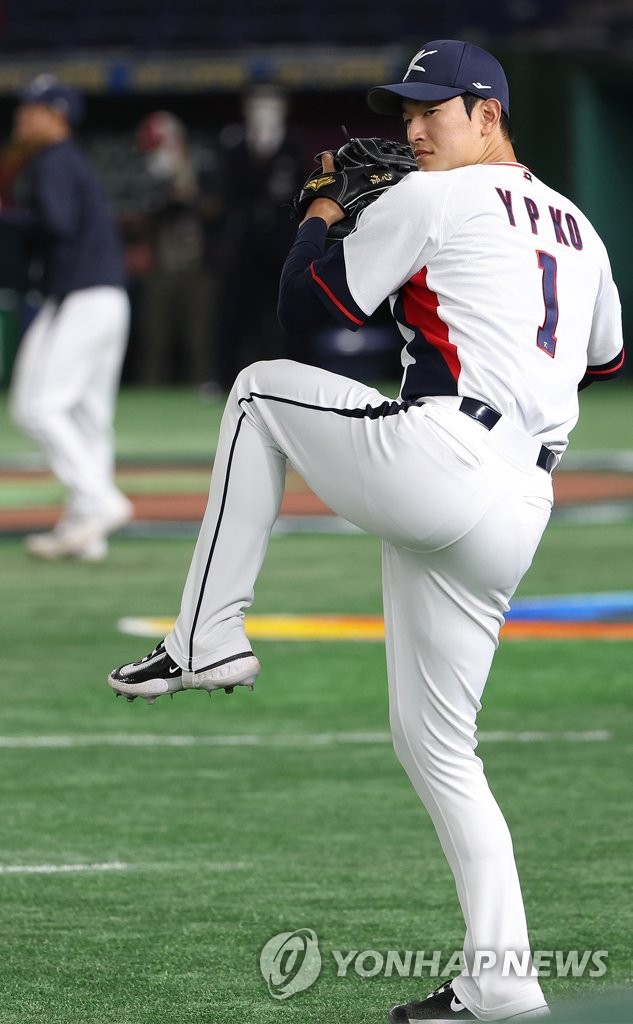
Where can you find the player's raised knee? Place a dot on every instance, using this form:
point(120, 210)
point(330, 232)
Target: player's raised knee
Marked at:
point(263, 373)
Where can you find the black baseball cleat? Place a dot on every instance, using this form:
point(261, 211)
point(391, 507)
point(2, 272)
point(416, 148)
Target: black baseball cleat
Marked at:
point(440, 1005)
point(157, 674)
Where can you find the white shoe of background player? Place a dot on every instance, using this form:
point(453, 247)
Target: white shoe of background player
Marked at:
point(81, 538)
point(68, 540)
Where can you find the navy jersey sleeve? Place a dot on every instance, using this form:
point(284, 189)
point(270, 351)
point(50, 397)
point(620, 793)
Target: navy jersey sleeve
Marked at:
point(55, 199)
point(313, 283)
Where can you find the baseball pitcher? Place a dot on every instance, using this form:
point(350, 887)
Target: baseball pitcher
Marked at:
point(504, 296)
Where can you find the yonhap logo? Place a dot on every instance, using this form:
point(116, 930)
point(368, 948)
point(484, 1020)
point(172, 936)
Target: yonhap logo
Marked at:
point(290, 962)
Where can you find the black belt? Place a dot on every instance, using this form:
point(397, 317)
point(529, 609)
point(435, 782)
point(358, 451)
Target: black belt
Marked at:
point(488, 417)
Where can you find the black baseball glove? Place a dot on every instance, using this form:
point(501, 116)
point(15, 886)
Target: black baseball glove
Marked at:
point(364, 168)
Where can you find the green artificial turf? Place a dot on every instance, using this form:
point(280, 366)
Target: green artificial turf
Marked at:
point(226, 846)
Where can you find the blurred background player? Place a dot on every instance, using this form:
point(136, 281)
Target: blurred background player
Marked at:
point(180, 225)
point(67, 370)
point(262, 168)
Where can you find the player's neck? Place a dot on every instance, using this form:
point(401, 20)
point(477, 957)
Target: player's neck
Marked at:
point(499, 151)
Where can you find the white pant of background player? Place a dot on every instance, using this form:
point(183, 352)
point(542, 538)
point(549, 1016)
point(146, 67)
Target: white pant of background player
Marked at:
point(461, 511)
point(63, 395)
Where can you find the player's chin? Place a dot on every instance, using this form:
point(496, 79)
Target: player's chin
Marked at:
point(425, 162)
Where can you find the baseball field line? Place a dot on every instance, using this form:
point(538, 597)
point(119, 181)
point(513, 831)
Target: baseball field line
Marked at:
point(117, 865)
point(301, 740)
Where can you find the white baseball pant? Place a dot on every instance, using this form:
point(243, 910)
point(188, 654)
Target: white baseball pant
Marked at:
point(460, 510)
point(64, 389)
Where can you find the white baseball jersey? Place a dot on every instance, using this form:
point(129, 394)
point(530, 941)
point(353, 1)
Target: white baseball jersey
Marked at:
point(438, 240)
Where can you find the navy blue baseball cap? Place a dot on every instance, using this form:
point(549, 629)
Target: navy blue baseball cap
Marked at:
point(50, 92)
point(442, 69)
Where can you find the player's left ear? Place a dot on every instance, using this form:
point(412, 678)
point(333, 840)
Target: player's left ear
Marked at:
point(490, 114)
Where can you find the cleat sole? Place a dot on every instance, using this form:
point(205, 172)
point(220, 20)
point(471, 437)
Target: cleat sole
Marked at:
point(152, 700)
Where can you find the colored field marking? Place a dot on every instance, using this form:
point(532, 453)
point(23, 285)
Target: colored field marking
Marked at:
point(609, 606)
point(300, 740)
point(279, 627)
point(574, 617)
point(535, 630)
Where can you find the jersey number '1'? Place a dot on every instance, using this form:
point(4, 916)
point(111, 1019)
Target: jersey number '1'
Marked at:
point(546, 334)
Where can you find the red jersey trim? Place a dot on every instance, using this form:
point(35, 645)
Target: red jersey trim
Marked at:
point(610, 369)
point(332, 297)
point(420, 306)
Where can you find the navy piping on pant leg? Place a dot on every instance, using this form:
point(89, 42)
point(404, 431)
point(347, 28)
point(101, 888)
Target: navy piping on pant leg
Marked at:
point(390, 407)
point(213, 543)
point(386, 408)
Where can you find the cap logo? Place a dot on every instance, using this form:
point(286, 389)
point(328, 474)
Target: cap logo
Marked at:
point(42, 83)
point(417, 67)
point(478, 85)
